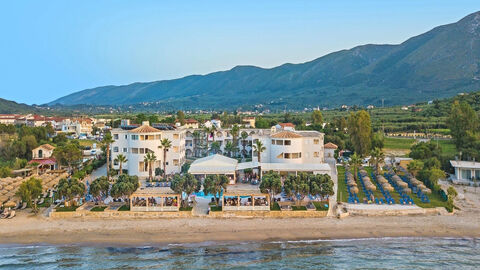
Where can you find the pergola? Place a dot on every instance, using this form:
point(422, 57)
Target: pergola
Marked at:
point(155, 199)
point(244, 197)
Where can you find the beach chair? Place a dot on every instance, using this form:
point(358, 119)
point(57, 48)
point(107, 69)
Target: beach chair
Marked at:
point(12, 214)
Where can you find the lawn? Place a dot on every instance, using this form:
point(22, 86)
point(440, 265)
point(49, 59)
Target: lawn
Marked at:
point(275, 207)
point(85, 143)
point(124, 207)
point(448, 147)
point(98, 209)
point(189, 208)
point(398, 143)
point(46, 203)
point(66, 209)
point(215, 208)
point(321, 206)
point(342, 194)
point(299, 208)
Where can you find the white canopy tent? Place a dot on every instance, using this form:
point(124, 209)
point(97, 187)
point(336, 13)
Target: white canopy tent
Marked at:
point(215, 164)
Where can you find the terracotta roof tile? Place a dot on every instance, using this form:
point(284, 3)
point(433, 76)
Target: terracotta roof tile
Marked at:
point(330, 146)
point(144, 129)
point(286, 135)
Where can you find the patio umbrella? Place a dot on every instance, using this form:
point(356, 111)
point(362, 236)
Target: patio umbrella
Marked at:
point(371, 187)
point(402, 184)
point(354, 190)
point(407, 190)
point(389, 188)
point(426, 191)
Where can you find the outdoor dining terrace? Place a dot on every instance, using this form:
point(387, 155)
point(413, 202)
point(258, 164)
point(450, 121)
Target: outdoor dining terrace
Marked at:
point(244, 197)
point(155, 199)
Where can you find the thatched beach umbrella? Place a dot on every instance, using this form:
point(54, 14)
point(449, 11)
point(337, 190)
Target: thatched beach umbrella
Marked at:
point(407, 190)
point(10, 204)
point(402, 184)
point(371, 187)
point(354, 190)
point(388, 187)
point(3, 198)
point(427, 191)
point(9, 188)
point(421, 186)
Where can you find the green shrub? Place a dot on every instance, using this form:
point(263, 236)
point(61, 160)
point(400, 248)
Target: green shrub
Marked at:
point(98, 209)
point(124, 207)
point(275, 207)
point(186, 208)
point(215, 208)
point(299, 208)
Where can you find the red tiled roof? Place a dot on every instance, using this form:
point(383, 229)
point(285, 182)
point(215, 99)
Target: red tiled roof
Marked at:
point(330, 146)
point(144, 129)
point(45, 161)
point(286, 135)
point(286, 125)
point(191, 121)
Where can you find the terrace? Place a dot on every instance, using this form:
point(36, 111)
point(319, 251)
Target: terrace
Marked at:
point(244, 197)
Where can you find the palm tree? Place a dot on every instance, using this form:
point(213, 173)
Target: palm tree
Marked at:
point(355, 162)
point(149, 159)
point(107, 141)
point(165, 145)
point(229, 148)
point(208, 131)
point(215, 147)
point(414, 167)
point(376, 157)
point(244, 137)
point(121, 159)
point(196, 139)
point(235, 131)
point(259, 148)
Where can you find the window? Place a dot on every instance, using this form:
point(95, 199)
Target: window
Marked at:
point(125, 150)
point(175, 149)
point(115, 136)
point(466, 173)
point(115, 149)
point(316, 141)
point(134, 150)
point(142, 137)
point(126, 136)
point(142, 150)
point(158, 137)
point(175, 162)
point(135, 137)
point(288, 142)
point(115, 162)
point(175, 136)
point(316, 154)
point(287, 155)
point(142, 166)
point(295, 155)
point(273, 141)
point(279, 142)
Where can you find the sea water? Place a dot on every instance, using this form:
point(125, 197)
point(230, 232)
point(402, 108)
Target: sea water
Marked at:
point(381, 253)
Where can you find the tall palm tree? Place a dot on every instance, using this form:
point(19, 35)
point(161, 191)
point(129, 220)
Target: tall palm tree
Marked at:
point(208, 131)
point(121, 159)
point(244, 136)
point(235, 131)
point(165, 145)
point(149, 159)
point(229, 148)
point(196, 139)
point(355, 162)
point(107, 141)
point(259, 148)
point(376, 157)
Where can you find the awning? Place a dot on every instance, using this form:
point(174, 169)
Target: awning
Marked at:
point(215, 164)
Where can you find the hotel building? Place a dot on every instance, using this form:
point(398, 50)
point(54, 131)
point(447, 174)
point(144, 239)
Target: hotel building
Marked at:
point(136, 141)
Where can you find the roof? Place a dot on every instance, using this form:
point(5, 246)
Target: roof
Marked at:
point(215, 164)
point(243, 189)
point(46, 146)
point(309, 133)
point(330, 146)
point(286, 135)
point(144, 129)
point(191, 121)
point(305, 167)
point(152, 191)
point(286, 125)
point(44, 161)
point(465, 164)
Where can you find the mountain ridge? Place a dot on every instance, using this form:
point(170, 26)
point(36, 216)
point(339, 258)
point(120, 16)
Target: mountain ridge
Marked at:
point(435, 64)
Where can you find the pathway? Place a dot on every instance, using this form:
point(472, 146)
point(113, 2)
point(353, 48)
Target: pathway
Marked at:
point(333, 199)
point(102, 171)
point(201, 206)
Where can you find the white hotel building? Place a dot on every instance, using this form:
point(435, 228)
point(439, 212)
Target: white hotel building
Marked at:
point(134, 142)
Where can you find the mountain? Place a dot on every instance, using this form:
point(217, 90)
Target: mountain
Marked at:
point(436, 64)
point(7, 107)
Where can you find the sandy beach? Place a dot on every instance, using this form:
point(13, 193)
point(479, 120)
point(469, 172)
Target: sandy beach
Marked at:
point(27, 228)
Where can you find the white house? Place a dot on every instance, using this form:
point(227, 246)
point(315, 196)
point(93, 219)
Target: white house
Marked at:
point(330, 150)
point(134, 142)
point(465, 171)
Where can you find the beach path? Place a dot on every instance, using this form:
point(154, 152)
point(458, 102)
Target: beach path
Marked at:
point(201, 207)
point(333, 199)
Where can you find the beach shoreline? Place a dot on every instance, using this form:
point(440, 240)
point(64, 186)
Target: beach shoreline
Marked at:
point(29, 229)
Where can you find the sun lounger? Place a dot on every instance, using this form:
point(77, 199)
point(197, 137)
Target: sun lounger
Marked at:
point(12, 214)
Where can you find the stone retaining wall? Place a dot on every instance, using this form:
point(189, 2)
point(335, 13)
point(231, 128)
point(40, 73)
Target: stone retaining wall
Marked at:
point(404, 212)
point(120, 214)
point(268, 214)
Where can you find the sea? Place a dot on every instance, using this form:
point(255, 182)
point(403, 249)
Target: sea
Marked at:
point(368, 253)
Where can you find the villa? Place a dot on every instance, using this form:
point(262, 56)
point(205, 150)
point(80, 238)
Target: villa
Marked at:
point(43, 156)
point(466, 172)
point(136, 141)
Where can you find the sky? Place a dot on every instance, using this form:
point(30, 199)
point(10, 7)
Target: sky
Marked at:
point(49, 49)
